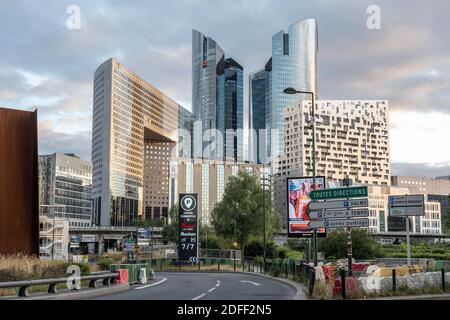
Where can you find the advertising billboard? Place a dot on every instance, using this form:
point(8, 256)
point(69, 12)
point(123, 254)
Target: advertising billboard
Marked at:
point(298, 199)
point(188, 244)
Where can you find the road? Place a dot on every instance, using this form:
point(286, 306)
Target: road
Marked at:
point(207, 286)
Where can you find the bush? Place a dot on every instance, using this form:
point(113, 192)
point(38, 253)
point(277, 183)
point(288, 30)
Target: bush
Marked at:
point(85, 268)
point(256, 248)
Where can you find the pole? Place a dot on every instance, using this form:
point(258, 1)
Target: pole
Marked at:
point(349, 251)
point(264, 215)
point(408, 244)
point(314, 168)
point(53, 237)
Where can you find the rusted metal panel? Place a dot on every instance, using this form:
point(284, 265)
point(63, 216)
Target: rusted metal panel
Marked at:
point(19, 190)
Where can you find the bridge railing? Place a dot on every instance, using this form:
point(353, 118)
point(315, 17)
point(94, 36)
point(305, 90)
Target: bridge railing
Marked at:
point(108, 279)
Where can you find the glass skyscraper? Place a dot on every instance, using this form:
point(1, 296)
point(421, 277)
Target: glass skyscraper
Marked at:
point(217, 89)
point(230, 107)
point(294, 64)
point(260, 84)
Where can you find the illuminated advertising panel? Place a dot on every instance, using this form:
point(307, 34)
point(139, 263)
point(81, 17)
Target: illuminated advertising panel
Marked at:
point(298, 199)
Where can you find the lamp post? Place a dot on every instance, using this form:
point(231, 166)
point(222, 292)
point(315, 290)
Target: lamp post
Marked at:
point(313, 124)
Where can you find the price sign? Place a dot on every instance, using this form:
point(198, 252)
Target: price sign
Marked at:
point(188, 245)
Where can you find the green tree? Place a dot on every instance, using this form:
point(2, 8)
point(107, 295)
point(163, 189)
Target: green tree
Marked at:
point(364, 245)
point(170, 232)
point(239, 216)
point(446, 219)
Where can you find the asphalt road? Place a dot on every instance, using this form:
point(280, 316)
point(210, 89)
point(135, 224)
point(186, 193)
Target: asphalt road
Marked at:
point(207, 286)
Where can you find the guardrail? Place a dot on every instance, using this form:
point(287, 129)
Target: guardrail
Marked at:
point(108, 279)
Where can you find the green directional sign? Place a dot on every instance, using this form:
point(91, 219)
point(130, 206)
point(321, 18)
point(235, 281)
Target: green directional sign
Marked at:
point(339, 193)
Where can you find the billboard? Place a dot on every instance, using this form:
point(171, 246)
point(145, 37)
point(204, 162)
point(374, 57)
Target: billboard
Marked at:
point(298, 190)
point(188, 244)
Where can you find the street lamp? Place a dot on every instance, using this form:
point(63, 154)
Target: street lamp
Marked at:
point(313, 125)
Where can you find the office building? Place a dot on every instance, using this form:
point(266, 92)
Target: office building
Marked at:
point(208, 178)
point(128, 115)
point(53, 238)
point(352, 141)
point(65, 188)
point(437, 189)
point(294, 64)
point(260, 84)
point(217, 98)
point(19, 191)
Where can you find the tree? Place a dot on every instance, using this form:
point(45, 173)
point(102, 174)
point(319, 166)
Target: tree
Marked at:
point(446, 218)
point(239, 216)
point(364, 245)
point(170, 231)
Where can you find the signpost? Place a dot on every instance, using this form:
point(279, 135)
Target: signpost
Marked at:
point(406, 206)
point(329, 214)
point(188, 244)
point(338, 208)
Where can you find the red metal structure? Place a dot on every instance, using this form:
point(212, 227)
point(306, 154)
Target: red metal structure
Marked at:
point(19, 190)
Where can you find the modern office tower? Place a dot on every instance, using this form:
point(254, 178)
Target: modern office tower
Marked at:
point(352, 140)
point(208, 178)
point(294, 64)
point(19, 190)
point(230, 108)
point(260, 84)
point(65, 188)
point(213, 87)
point(128, 114)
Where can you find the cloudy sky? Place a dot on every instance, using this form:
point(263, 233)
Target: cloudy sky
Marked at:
point(43, 63)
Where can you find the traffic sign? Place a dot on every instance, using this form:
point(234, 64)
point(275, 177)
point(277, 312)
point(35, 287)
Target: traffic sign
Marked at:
point(341, 223)
point(339, 193)
point(339, 204)
point(353, 213)
point(409, 205)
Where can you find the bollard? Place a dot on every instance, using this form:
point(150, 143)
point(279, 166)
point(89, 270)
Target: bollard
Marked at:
point(312, 279)
point(394, 281)
point(179, 266)
point(443, 279)
point(199, 264)
point(343, 284)
point(218, 265)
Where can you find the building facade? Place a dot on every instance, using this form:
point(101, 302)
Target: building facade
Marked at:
point(128, 113)
point(53, 238)
point(260, 84)
point(352, 141)
point(217, 87)
point(19, 190)
point(208, 178)
point(294, 64)
point(65, 187)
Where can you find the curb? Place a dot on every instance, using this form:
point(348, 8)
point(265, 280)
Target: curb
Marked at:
point(445, 296)
point(78, 295)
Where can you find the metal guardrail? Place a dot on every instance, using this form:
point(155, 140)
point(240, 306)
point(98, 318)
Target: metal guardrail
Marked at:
point(108, 279)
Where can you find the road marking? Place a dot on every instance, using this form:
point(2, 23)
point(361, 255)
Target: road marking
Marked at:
point(212, 289)
point(254, 283)
point(151, 285)
point(200, 296)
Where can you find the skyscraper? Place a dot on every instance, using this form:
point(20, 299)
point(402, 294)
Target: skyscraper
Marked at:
point(260, 84)
point(129, 116)
point(230, 107)
point(294, 64)
point(217, 86)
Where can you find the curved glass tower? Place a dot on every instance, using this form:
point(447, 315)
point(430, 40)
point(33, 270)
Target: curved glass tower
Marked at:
point(294, 64)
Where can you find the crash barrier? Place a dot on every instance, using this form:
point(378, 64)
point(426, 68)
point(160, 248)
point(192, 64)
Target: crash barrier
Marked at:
point(200, 264)
point(108, 279)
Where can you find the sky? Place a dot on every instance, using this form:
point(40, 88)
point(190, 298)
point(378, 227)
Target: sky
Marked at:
point(46, 64)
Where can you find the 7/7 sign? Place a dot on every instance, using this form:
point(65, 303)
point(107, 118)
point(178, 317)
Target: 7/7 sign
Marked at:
point(188, 245)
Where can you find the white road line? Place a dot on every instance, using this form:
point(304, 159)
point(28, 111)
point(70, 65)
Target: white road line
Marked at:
point(254, 283)
point(151, 285)
point(212, 289)
point(200, 296)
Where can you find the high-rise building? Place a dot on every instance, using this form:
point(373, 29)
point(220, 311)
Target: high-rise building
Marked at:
point(230, 108)
point(208, 178)
point(294, 64)
point(65, 188)
point(19, 190)
point(260, 84)
point(352, 141)
point(217, 86)
point(128, 115)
